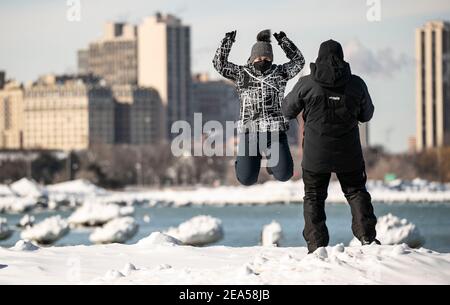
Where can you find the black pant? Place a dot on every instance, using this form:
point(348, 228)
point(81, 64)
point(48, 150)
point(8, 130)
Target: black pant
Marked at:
point(353, 185)
point(251, 147)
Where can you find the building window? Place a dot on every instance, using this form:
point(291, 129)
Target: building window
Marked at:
point(7, 113)
point(433, 86)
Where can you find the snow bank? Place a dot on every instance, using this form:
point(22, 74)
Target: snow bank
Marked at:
point(16, 204)
point(293, 191)
point(272, 234)
point(25, 245)
point(76, 187)
point(98, 214)
point(392, 230)
point(21, 196)
point(5, 191)
point(116, 231)
point(269, 192)
point(223, 265)
point(48, 231)
point(5, 231)
point(28, 188)
point(75, 193)
point(158, 239)
point(26, 221)
point(198, 231)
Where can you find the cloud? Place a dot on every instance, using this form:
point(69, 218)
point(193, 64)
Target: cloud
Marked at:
point(382, 62)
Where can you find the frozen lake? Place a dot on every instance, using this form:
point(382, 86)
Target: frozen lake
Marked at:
point(243, 224)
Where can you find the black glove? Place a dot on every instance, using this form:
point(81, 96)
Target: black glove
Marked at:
point(231, 35)
point(279, 36)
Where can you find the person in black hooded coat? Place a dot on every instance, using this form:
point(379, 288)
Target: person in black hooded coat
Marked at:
point(333, 102)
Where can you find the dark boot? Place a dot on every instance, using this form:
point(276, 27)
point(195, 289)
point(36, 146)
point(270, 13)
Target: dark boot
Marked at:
point(365, 241)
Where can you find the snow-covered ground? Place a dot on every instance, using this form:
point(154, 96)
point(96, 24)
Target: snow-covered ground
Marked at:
point(159, 260)
point(198, 231)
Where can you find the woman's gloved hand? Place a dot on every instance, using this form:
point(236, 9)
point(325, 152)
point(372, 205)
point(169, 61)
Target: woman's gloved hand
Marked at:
point(279, 36)
point(231, 35)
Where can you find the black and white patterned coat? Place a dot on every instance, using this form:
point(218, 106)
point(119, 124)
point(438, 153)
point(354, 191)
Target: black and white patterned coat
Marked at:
point(261, 94)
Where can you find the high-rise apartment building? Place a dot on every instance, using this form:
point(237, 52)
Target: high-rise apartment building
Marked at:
point(11, 114)
point(137, 115)
point(164, 63)
point(215, 100)
point(433, 85)
point(114, 56)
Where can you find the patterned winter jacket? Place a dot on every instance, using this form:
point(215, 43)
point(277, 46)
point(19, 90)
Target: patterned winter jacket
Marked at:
point(261, 94)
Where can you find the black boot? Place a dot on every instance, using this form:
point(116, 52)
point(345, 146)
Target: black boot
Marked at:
point(365, 241)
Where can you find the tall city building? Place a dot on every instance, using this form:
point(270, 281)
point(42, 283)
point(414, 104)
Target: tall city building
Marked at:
point(114, 56)
point(433, 85)
point(137, 115)
point(11, 114)
point(215, 100)
point(164, 63)
point(67, 113)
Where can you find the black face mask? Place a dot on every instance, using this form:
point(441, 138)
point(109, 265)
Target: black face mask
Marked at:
point(262, 66)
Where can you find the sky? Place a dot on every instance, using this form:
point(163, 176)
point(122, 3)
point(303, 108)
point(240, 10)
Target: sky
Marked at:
point(37, 38)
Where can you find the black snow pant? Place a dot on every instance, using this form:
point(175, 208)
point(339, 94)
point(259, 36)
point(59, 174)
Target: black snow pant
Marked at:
point(274, 145)
point(353, 185)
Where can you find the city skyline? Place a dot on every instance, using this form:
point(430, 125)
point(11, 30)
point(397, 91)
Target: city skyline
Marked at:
point(382, 52)
point(433, 85)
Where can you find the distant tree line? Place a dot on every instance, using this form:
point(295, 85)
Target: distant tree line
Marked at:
point(118, 166)
point(431, 164)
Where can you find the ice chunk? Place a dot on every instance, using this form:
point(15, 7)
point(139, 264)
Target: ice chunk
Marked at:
point(25, 245)
point(198, 231)
point(272, 234)
point(392, 230)
point(98, 214)
point(116, 231)
point(158, 239)
point(48, 231)
point(5, 230)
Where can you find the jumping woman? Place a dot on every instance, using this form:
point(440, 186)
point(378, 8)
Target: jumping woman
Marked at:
point(261, 85)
